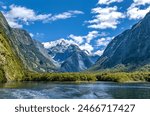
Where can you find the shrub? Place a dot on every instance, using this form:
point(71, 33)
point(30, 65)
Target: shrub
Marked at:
point(2, 76)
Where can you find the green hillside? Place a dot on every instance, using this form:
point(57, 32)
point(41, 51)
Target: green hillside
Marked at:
point(10, 65)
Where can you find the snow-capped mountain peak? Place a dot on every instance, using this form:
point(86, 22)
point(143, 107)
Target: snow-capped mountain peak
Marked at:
point(60, 42)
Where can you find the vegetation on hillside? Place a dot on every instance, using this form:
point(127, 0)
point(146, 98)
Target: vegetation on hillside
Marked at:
point(10, 65)
point(124, 76)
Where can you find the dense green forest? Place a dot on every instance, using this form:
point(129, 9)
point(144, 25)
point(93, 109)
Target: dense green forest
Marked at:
point(98, 76)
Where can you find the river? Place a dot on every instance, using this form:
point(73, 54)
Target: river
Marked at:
point(69, 90)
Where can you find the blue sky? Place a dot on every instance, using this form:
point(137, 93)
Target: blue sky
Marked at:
point(91, 24)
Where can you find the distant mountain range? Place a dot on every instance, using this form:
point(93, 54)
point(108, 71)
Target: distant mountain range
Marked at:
point(70, 57)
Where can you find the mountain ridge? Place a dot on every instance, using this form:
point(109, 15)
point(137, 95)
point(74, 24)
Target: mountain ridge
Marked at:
point(129, 49)
point(70, 57)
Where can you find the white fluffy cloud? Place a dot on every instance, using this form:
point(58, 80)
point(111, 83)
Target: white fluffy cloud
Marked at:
point(88, 47)
point(18, 15)
point(13, 23)
point(77, 39)
point(65, 15)
point(84, 41)
point(58, 41)
point(135, 11)
point(103, 41)
point(26, 14)
point(108, 1)
point(107, 17)
point(99, 52)
point(87, 38)
point(141, 2)
point(91, 35)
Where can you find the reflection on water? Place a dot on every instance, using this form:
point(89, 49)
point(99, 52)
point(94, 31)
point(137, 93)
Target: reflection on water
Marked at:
point(97, 90)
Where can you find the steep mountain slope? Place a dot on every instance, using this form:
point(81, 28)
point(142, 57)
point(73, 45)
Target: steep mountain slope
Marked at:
point(70, 57)
point(77, 62)
point(10, 64)
point(130, 50)
point(44, 52)
point(27, 50)
point(31, 56)
point(94, 58)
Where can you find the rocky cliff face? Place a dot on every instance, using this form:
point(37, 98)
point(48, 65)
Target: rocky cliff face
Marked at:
point(78, 61)
point(11, 67)
point(32, 57)
point(130, 49)
point(45, 53)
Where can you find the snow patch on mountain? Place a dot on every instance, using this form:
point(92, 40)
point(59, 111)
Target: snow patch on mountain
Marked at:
point(62, 44)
